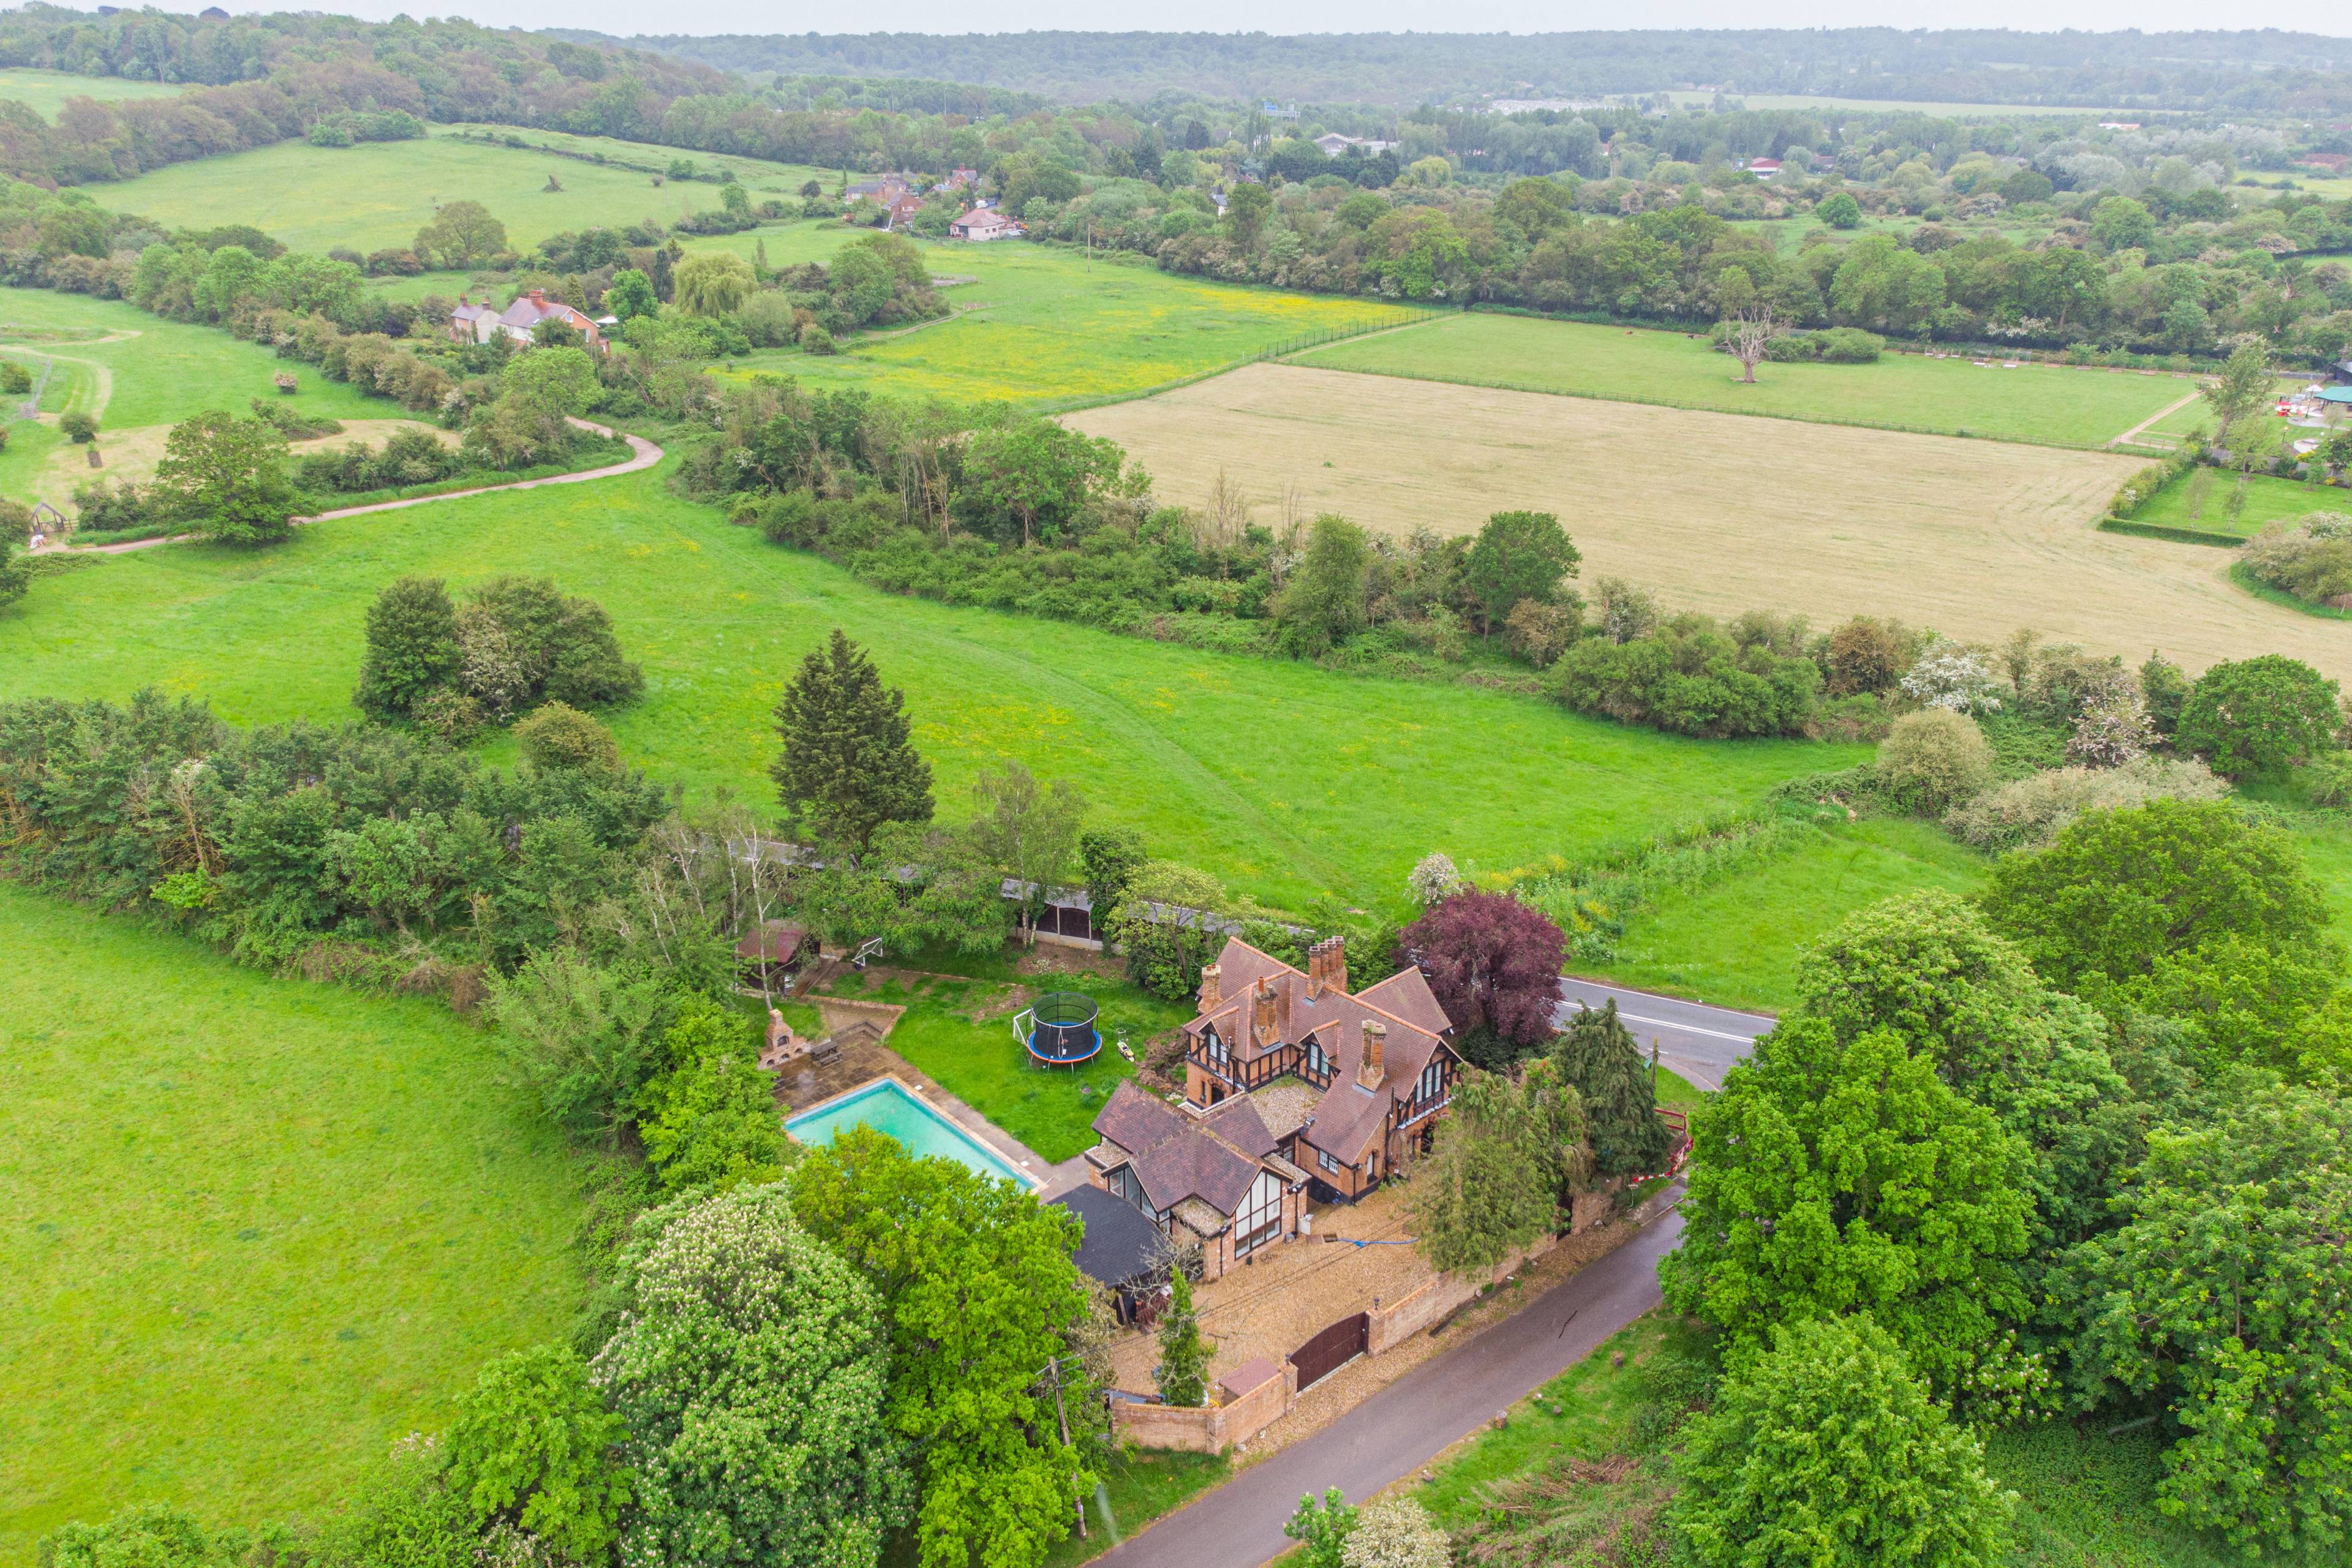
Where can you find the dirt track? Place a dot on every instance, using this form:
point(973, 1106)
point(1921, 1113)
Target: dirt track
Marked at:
point(1726, 512)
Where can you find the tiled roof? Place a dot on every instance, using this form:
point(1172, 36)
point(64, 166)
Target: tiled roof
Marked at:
point(1178, 1157)
point(1346, 1117)
point(1119, 1242)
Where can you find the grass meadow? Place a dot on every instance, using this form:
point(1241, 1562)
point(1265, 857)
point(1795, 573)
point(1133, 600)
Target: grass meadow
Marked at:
point(1735, 942)
point(2050, 404)
point(1286, 779)
point(46, 92)
point(257, 1228)
point(379, 194)
point(1038, 325)
point(150, 373)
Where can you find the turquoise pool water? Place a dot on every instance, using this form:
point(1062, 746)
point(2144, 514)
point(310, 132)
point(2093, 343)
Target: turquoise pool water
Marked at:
point(888, 1108)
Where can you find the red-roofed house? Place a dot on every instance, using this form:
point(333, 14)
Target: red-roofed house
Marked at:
point(1211, 1179)
point(480, 323)
point(1351, 1084)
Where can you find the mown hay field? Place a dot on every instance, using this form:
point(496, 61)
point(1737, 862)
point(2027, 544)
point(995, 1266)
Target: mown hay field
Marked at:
point(1725, 512)
point(46, 92)
point(376, 195)
point(257, 1228)
point(1039, 326)
point(2057, 405)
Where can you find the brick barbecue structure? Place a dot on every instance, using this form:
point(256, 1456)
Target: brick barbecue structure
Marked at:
point(1293, 1087)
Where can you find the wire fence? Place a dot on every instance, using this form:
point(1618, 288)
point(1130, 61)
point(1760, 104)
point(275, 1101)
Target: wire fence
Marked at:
point(1321, 336)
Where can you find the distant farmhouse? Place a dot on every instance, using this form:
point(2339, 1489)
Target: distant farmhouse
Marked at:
point(482, 323)
point(1334, 145)
point(985, 223)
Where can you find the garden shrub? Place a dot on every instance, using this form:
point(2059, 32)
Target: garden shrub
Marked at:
point(2329, 779)
point(1934, 759)
point(2259, 715)
point(1851, 345)
point(2031, 811)
point(2311, 560)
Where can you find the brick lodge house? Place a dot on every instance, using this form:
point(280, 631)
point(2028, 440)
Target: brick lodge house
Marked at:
point(1294, 1087)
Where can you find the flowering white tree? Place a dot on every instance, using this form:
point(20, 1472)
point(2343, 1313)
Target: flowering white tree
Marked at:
point(2113, 727)
point(1949, 676)
point(1434, 879)
point(1395, 1533)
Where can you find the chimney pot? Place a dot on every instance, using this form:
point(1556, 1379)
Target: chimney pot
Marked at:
point(1371, 1067)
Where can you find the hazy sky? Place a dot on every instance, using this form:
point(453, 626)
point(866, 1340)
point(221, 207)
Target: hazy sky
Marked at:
point(625, 16)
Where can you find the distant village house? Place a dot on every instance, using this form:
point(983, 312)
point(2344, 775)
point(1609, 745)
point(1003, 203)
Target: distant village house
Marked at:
point(482, 323)
point(983, 224)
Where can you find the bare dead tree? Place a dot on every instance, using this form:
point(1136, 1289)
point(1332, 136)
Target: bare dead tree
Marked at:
point(1751, 328)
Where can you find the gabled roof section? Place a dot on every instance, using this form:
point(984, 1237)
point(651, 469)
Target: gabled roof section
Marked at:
point(1178, 1157)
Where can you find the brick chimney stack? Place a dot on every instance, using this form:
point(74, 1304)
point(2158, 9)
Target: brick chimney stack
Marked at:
point(1335, 965)
point(1210, 993)
point(1267, 1031)
point(1315, 970)
point(1372, 1068)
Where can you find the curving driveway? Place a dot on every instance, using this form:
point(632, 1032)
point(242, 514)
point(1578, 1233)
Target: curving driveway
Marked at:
point(643, 454)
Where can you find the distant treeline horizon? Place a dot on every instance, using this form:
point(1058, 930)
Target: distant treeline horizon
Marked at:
point(2267, 71)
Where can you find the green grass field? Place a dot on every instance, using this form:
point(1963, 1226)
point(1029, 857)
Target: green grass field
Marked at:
point(1734, 944)
point(164, 373)
point(2054, 406)
point(759, 175)
point(2188, 503)
point(1039, 326)
point(379, 194)
point(257, 1229)
point(47, 91)
point(1286, 779)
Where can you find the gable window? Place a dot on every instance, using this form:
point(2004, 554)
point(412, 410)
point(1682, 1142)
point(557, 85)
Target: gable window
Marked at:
point(1432, 1082)
point(1260, 1219)
point(1125, 1184)
point(1317, 1064)
point(1213, 1047)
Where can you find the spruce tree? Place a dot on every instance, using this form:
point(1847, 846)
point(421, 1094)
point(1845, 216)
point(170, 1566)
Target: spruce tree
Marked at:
point(1597, 1055)
point(848, 765)
point(1182, 1373)
point(412, 649)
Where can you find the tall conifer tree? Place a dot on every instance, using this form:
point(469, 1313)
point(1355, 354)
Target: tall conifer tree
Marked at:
point(1597, 1055)
point(848, 765)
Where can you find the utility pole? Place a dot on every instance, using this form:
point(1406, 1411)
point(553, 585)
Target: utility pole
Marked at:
point(1062, 1416)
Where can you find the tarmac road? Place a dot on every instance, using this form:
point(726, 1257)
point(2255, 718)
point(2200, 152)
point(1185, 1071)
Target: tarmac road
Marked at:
point(1694, 1040)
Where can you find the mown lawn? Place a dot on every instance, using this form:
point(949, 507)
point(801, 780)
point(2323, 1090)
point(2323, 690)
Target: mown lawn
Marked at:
point(2054, 404)
point(1734, 943)
point(46, 92)
point(2201, 499)
point(960, 1032)
point(376, 195)
point(1287, 780)
point(256, 1229)
point(1038, 325)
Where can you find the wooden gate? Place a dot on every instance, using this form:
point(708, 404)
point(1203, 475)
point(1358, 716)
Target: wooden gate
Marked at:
point(1333, 1348)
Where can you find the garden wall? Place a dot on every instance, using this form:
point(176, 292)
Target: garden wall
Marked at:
point(1211, 1429)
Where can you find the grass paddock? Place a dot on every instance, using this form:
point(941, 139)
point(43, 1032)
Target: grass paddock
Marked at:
point(257, 1228)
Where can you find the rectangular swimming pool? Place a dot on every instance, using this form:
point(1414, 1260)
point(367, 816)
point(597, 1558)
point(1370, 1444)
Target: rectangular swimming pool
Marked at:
point(887, 1107)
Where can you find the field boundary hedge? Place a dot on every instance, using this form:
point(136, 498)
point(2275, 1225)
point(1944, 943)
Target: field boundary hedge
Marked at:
point(1959, 435)
point(2243, 576)
point(1303, 343)
point(2167, 531)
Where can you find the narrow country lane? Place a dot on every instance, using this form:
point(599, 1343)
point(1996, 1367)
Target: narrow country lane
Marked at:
point(1404, 1425)
point(1693, 1040)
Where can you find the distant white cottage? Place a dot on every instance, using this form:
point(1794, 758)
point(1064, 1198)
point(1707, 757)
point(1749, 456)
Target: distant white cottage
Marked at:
point(985, 223)
point(471, 323)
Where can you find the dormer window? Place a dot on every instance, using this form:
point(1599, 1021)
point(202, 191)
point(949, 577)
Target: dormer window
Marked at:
point(1214, 1047)
point(1432, 1082)
point(1317, 1064)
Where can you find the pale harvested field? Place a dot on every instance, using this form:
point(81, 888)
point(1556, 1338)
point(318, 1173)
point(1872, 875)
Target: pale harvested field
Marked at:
point(1725, 512)
point(132, 455)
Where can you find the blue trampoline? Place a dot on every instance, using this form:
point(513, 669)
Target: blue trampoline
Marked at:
point(1059, 1031)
